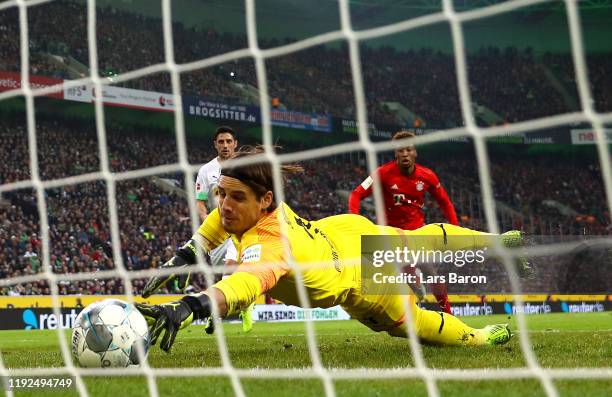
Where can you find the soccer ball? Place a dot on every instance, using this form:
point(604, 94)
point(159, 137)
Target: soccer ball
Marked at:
point(105, 334)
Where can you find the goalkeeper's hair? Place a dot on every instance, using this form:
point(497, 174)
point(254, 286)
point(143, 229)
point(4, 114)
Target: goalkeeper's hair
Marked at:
point(258, 175)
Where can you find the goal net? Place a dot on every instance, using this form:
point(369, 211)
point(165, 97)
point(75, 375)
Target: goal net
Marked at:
point(63, 179)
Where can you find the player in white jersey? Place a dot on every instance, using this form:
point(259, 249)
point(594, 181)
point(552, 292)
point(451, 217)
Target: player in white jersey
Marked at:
point(206, 188)
point(225, 142)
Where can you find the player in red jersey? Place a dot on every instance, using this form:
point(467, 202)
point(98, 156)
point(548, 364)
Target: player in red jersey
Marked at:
point(404, 183)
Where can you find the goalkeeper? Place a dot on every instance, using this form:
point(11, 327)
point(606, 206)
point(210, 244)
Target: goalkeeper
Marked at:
point(270, 236)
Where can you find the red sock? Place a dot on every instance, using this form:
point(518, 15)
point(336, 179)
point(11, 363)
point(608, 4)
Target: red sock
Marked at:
point(440, 292)
point(412, 270)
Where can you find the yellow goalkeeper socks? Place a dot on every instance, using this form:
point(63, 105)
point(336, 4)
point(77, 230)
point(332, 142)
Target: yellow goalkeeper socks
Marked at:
point(449, 237)
point(439, 328)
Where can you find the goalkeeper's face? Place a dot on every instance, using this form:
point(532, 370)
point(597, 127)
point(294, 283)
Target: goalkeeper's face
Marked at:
point(239, 206)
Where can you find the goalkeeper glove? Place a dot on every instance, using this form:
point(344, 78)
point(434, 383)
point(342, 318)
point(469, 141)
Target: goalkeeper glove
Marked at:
point(174, 316)
point(516, 239)
point(186, 255)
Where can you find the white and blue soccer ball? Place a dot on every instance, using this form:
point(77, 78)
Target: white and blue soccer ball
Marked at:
point(106, 333)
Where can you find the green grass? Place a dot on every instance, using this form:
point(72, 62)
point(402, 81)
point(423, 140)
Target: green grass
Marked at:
point(559, 340)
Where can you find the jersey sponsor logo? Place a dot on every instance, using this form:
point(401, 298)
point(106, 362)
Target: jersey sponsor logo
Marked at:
point(399, 199)
point(251, 254)
point(420, 186)
point(367, 183)
point(394, 187)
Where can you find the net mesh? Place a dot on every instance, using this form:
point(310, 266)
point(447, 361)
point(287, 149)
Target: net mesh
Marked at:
point(449, 15)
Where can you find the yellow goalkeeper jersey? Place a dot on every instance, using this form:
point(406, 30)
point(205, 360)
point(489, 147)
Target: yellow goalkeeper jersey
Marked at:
point(326, 254)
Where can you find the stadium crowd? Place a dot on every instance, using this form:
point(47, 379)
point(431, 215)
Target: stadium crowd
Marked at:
point(511, 82)
point(154, 219)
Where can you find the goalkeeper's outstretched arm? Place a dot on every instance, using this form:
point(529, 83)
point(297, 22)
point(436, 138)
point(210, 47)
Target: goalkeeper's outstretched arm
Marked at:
point(174, 316)
point(230, 295)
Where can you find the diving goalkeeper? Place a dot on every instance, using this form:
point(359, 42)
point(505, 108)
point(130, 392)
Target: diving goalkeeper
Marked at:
point(270, 236)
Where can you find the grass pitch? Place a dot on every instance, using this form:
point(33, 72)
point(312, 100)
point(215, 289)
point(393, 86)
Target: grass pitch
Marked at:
point(559, 340)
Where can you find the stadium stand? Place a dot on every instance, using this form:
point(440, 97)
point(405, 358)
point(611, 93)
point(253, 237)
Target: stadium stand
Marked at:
point(508, 82)
point(154, 221)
